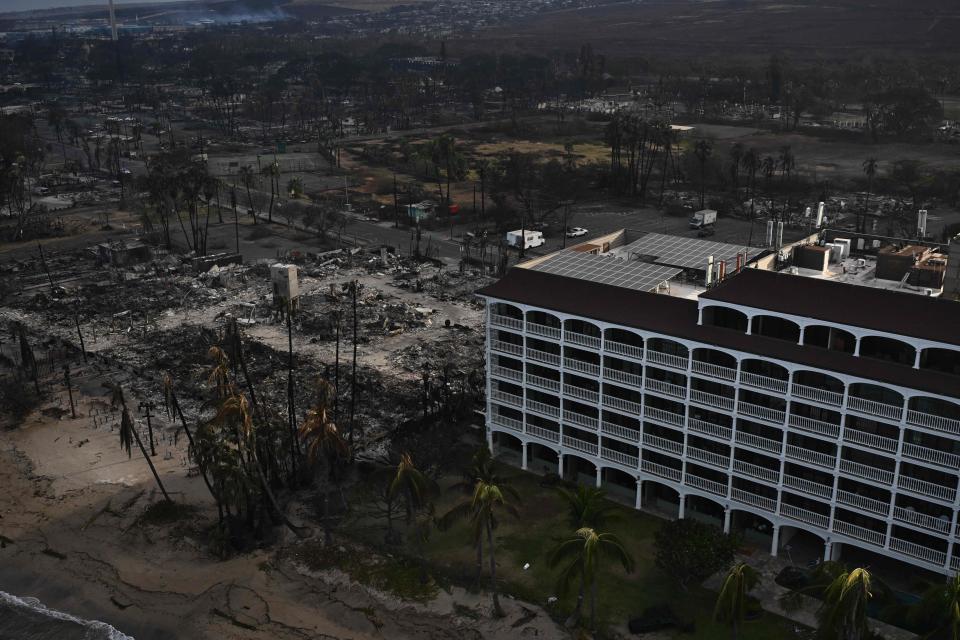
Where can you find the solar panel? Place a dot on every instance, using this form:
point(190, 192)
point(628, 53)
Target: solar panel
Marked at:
point(686, 253)
point(639, 276)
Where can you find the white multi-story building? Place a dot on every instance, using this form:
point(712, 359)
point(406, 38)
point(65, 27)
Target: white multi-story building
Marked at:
point(805, 406)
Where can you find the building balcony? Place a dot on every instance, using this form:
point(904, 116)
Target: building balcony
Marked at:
point(507, 347)
point(874, 408)
point(764, 413)
point(506, 321)
point(506, 398)
point(622, 377)
point(708, 428)
point(807, 486)
point(818, 458)
point(666, 359)
point(759, 442)
point(711, 400)
point(866, 471)
point(662, 444)
point(579, 365)
point(507, 423)
point(620, 431)
point(870, 440)
point(710, 486)
point(708, 457)
point(627, 406)
point(815, 426)
point(862, 502)
point(624, 349)
point(927, 454)
point(930, 421)
point(621, 458)
point(859, 533)
point(542, 434)
point(756, 471)
point(914, 550)
point(747, 497)
point(927, 489)
point(805, 515)
point(580, 445)
point(581, 393)
point(543, 383)
point(544, 409)
point(660, 470)
point(581, 339)
point(755, 380)
point(713, 371)
point(543, 356)
point(822, 396)
point(581, 420)
point(665, 388)
point(506, 373)
point(922, 520)
point(660, 415)
point(543, 330)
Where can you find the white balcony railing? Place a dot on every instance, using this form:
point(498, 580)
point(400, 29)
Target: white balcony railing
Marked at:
point(666, 388)
point(805, 515)
point(506, 321)
point(807, 486)
point(708, 457)
point(506, 398)
point(543, 383)
point(543, 408)
point(622, 377)
point(815, 426)
point(866, 471)
point(758, 442)
point(660, 470)
point(711, 399)
point(627, 406)
point(764, 413)
point(939, 423)
point(926, 454)
point(814, 457)
point(623, 349)
point(543, 330)
point(870, 440)
point(581, 420)
point(708, 428)
point(544, 356)
point(817, 395)
point(620, 431)
point(756, 471)
point(858, 532)
point(940, 525)
point(506, 373)
point(581, 339)
point(579, 365)
point(713, 370)
point(925, 488)
point(621, 458)
point(662, 444)
point(580, 445)
point(581, 393)
point(508, 423)
point(862, 502)
point(763, 382)
point(748, 497)
point(661, 415)
point(915, 550)
point(710, 486)
point(506, 347)
point(543, 434)
point(874, 408)
point(666, 359)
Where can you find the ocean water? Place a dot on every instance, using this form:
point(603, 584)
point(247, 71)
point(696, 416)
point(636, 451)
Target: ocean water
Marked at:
point(28, 619)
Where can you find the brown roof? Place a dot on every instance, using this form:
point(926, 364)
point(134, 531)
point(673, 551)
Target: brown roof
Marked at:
point(678, 317)
point(906, 314)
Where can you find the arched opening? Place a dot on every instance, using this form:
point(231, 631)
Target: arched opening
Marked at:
point(934, 413)
point(542, 459)
point(619, 485)
point(900, 575)
point(579, 470)
point(667, 352)
point(875, 400)
point(544, 324)
point(725, 318)
point(830, 338)
point(715, 364)
point(581, 333)
point(889, 349)
point(624, 343)
point(753, 529)
point(763, 374)
point(941, 360)
point(801, 547)
point(661, 499)
point(508, 448)
point(704, 509)
point(776, 327)
point(506, 310)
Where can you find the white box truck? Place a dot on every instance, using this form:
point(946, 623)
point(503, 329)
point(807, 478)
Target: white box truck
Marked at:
point(531, 238)
point(703, 218)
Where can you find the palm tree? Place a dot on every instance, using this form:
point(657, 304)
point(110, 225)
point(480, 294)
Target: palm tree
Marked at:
point(479, 469)
point(247, 179)
point(272, 171)
point(787, 162)
point(751, 162)
point(587, 507)
point(703, 150)
point(411, 484)
point(843, 614)
point(295, 187)
point(324, 444)
point(582, 556)
point(870, 170)
point(940, 609)
point(732, 600)
point(129, 435)
point(736, 155)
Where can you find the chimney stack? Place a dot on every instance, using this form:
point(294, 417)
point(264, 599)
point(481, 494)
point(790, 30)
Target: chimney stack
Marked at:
point(779, 235)
point(820, 214)
point(709, 280)
point(769, 233)
point(921, 224)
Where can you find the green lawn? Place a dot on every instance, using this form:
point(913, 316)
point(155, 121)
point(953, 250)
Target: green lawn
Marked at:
point(529, 538)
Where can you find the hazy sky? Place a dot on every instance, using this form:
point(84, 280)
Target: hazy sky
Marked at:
point(23, 5)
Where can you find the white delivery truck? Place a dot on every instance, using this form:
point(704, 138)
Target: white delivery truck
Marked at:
point(703, 218)
point(531, 238)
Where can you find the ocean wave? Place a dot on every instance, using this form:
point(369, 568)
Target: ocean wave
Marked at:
point(29, 619)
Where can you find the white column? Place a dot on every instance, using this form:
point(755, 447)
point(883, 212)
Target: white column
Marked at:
point(683, 502)
point(599, 477)
point(803, 331)
point(700, 315)
point(856, 346)
point(828, 551)
point(726, 520)
point(560, 465)
point(916, 361)
point(523, 453)
point(639, 500)
point(775, 545)
point(749, 325)
point(490, 439)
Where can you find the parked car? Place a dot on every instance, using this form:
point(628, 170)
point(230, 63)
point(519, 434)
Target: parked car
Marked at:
point(576, 232)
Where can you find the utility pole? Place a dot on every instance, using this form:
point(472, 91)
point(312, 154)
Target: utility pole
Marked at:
point(291, 411)
point(336, 370)
point(396, 203)
point(354, 285)
point(146, 407)
point(66, 380)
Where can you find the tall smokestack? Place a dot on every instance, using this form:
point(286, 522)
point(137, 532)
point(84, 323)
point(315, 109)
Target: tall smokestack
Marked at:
point(113, 23)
